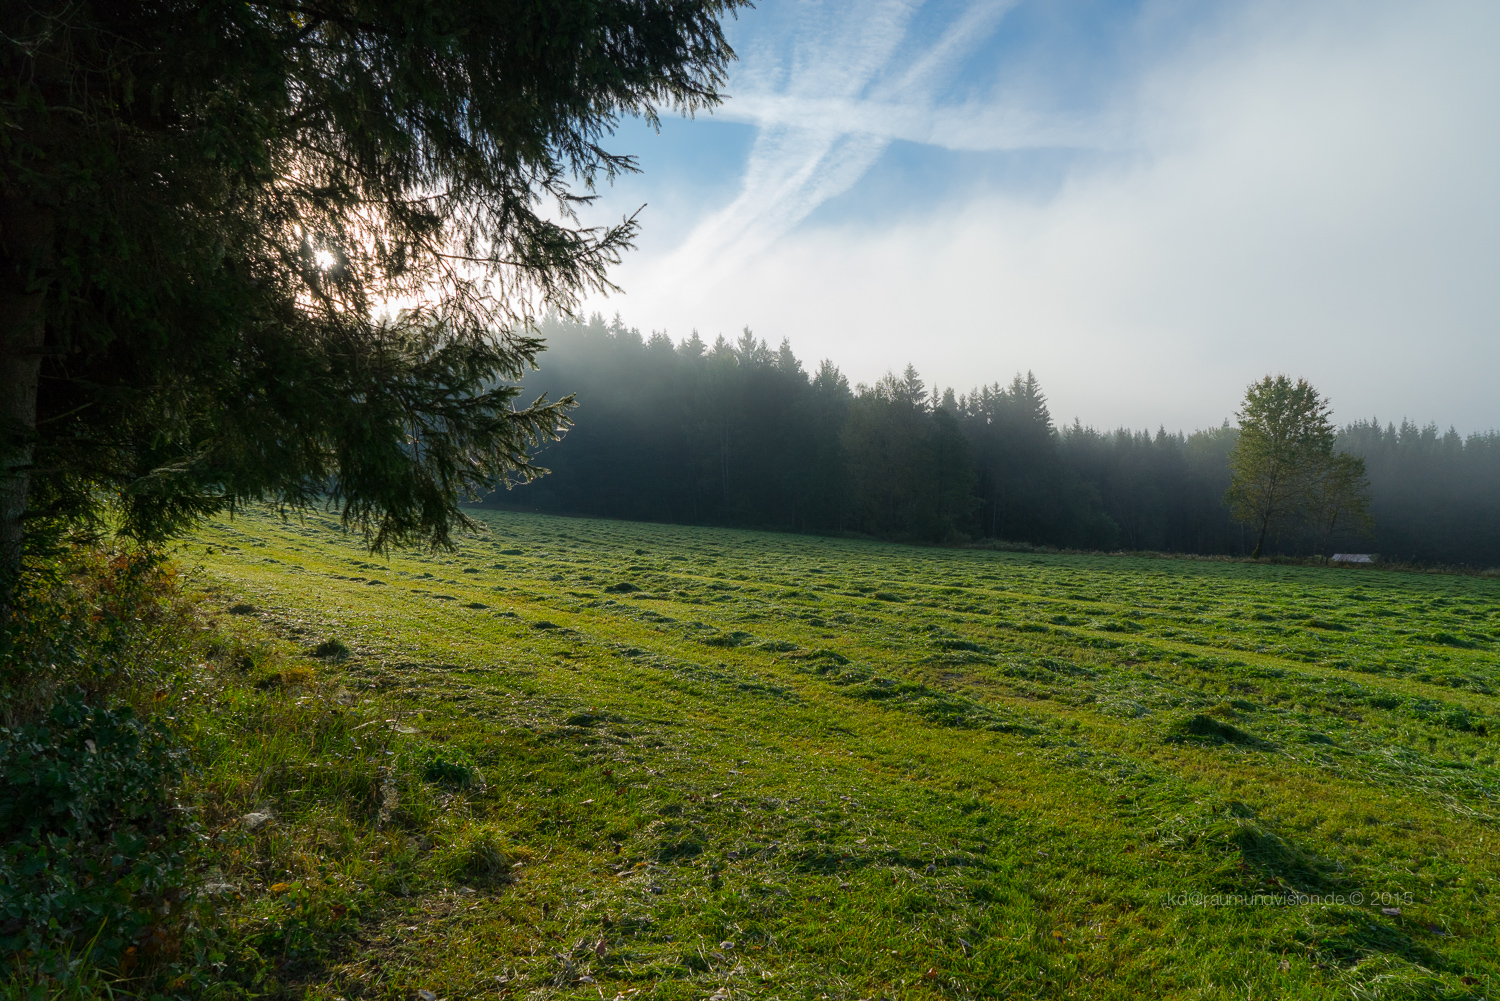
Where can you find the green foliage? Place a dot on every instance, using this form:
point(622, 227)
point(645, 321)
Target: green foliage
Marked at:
point(911, 471)
point(1162, 491)
point(1032, 491)
point(334, 648)
point(94, 856)
point(83, 770)
point(1284, 465)
point(1433, 495)
point(734, 432)
point(727, 432)
point(1206, 729)
point(96, 882)
point(1338, 496)
point(212, 201)
point(110, 623)
point(447, 766)
point(477, 853)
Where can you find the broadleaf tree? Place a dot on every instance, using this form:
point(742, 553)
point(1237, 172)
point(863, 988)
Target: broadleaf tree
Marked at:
point(1339, 497)
point(209, 212)
point(1283, 464)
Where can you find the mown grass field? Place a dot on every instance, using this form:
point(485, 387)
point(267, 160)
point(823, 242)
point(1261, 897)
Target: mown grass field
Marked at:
point(602, 760)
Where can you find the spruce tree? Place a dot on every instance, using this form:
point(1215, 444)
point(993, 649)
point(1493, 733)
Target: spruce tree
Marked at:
point(205, 206)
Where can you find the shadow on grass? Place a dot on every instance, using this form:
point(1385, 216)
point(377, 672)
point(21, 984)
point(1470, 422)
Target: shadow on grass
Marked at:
point(1278, 860)
point(1205, 730)
point(935, 706)
point(1345, 936)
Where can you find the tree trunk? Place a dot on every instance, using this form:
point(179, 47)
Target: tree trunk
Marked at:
point(1265, 524)
point(25, 250)
point(1268, 509)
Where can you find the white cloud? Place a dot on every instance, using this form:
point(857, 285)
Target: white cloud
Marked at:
point(1312, 189)
point(973, 126)
point(823, 92)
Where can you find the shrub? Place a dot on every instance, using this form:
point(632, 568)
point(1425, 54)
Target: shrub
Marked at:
point(93, 852)
point(111, 624)
point(94, 855)
point(333, 649)
point(477, 853)
point(448, 766)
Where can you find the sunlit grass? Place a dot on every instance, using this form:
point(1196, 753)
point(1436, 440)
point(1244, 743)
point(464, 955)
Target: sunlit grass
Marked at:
point(586, 758)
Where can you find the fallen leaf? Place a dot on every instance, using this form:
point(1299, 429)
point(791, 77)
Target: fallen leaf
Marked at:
point(1391, 912)
point(427, 996)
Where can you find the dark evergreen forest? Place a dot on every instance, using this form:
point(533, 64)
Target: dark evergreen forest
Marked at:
point(739, 433)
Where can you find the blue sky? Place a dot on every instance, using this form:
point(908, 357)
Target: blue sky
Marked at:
point(1150, 204)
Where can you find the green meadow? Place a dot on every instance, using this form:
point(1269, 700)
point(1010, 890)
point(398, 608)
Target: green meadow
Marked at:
point(611, 761)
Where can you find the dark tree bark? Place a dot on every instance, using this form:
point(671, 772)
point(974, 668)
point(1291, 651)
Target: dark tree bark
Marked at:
point(25, 250)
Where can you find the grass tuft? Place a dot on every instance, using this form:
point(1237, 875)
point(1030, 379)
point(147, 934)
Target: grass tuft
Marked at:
point(331, 649)
point(1199, 728)
point(476, 854)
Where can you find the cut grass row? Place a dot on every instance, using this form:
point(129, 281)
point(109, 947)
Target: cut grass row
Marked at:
point(775, 766)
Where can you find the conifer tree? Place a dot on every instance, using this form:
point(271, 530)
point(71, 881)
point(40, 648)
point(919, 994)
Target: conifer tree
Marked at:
point(203, 206)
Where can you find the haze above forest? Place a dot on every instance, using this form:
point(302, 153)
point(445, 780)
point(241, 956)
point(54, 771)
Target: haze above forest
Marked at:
point(740, 433)
point(1114, 195)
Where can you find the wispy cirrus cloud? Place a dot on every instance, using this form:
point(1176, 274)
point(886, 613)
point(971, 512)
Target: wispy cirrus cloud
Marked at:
point(828, 92)
point(977, 126)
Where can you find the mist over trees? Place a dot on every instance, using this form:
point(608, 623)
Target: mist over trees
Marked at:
point(736, 432)
point(1434, 495)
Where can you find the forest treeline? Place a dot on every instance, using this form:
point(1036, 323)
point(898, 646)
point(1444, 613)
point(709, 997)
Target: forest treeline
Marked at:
point(739, 433)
